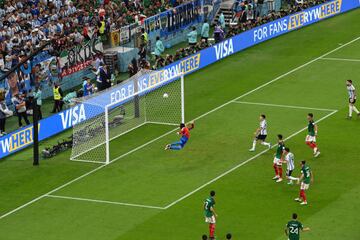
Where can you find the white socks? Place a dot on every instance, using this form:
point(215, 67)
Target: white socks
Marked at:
point(292, 178)
point(265, 144)
point(254, 144)
point(355, 110)
point(351, 109)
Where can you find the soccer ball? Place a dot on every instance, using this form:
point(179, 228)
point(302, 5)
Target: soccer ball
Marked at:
point(165, 95)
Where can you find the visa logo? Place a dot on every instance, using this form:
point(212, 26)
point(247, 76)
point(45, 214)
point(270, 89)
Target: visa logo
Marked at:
point(224, 49)
point(73, 116)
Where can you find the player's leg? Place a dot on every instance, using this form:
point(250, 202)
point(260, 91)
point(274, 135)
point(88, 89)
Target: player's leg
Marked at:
point(353, 108)
point(252, 149)
point(303, 188)
point(315, 147)
point(307, 141)
point(356, 110)
point(275, 170)
point(212, 228)
point(302, 196)
point(350, 110)
point(267, 144)
point(311, 142)
point(291, 178)
point(173, 145)
point(177, 145)
point(280, 171)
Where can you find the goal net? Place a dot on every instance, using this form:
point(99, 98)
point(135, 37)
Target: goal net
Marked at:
point(153, 100)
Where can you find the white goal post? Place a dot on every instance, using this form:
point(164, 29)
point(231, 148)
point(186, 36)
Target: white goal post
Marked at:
point(154, 100)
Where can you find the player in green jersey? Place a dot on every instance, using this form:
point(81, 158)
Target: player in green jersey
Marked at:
point(311, 136)
point(294, 227)
point(305, 179)
point(277, 163)
point(210, 214)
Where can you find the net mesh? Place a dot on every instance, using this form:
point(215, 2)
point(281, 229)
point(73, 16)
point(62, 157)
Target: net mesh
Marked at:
point(160, 105)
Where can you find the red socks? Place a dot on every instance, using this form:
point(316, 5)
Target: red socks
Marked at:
point(280, 171)
point(276, 170)
point(211, 230)
point(302, 195)
point(311, 144)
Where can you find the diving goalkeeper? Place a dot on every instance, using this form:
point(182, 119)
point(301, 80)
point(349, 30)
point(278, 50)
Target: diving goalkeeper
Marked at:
point(185, 135)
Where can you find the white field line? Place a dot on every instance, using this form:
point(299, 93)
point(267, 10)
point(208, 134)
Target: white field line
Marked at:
point(240, 164)
point(163, 123)
point(87, 161)
point(342, 59)
point(104, 201)
point(199, 117)
point(286, 106)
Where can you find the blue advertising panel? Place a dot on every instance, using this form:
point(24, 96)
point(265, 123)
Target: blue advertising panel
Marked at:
point(64, 120)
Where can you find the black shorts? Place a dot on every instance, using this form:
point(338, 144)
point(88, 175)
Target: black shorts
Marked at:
point(353, 101)
point(289, 172)
point(261, 137)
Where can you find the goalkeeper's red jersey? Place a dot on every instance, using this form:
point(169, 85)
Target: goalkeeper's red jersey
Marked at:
point(185, 132)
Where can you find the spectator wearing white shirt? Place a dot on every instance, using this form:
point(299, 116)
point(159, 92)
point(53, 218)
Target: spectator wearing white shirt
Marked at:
point(20, 107)
point(4, 113)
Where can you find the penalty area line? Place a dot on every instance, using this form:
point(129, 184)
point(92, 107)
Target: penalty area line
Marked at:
point(104, 201)
point(341, 59)
point(241, 164)
point(286, 106)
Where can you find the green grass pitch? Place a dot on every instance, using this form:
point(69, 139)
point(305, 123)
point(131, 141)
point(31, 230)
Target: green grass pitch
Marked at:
point(149, 193)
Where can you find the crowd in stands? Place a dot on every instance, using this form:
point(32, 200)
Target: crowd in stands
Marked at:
point(247, 17)
point(248, 14)
point(27, 24)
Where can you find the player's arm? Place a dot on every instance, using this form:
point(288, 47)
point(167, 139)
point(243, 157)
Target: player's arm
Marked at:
point(312, 176)
point(282, 158)
point(191, 125)
point(301, 178)
point(354, 96)
point(257, 131)
point(212, 209)
point(315, 129)
point(306, 229)
point(287, 231)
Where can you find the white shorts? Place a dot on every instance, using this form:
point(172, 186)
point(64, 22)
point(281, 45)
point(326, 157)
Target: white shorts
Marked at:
point(277, 161)
point(210, 219)
point(310, 138)
point(304, 186)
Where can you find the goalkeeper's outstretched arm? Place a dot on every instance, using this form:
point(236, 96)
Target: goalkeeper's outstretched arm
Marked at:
point(190, 125)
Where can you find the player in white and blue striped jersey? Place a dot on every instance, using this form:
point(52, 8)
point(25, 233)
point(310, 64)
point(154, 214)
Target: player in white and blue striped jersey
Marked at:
point(261, 134)
point(352, 98)
point(289, 159)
